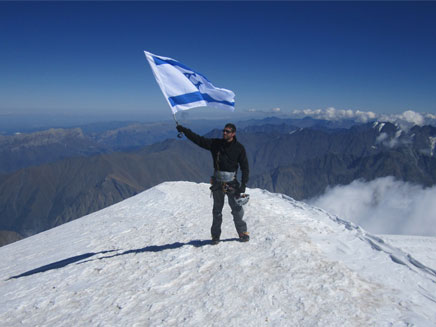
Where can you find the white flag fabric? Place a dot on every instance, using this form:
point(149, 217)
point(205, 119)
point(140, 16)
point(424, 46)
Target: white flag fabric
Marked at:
point(184, 88)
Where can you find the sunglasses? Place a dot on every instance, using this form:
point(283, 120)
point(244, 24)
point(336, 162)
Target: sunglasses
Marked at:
point(228, 131)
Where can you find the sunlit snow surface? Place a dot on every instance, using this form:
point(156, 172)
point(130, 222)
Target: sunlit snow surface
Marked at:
point(147, 261)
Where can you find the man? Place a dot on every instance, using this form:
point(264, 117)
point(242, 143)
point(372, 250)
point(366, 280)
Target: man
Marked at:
point(227, 154)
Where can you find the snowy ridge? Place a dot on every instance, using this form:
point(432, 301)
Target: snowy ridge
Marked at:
point(432, 141)
point(379, 125)
point(422, 247)
point(147, 261)
point(377, 243)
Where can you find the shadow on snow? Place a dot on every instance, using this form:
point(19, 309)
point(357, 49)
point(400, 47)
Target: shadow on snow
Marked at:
point(150, 248)
point(59, 264)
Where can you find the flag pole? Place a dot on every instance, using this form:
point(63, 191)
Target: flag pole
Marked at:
point(180, 134)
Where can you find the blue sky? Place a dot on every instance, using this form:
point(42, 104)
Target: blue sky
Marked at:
point(86, 58)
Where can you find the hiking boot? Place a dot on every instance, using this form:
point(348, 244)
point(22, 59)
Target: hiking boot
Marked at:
point(215, 240)
point(244, 237)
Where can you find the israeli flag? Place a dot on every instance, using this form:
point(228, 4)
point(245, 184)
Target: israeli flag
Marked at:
point(184, 88)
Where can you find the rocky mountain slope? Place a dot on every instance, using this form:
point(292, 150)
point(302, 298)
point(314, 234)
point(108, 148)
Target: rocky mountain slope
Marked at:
point(38, 198)
point(19, 151)
point(300, 162)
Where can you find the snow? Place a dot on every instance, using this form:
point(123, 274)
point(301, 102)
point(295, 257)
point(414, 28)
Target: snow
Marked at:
point(379, 125)
point(147, 261)
point(422, 248)
point(432, 141)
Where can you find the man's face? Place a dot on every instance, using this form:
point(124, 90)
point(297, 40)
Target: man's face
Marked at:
point(228, 134)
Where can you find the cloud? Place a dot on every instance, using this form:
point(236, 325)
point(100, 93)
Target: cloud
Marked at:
point(389, 142)
point(383, 206)
point(413, 117)
point(336, 114)
point(405, 120)
point(382, 138)
point(264, 111)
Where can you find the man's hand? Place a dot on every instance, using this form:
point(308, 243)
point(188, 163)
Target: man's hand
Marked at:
point(180, 128)
point(241, 189)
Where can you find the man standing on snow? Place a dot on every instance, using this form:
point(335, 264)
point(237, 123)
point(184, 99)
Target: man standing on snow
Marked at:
point(227, 154)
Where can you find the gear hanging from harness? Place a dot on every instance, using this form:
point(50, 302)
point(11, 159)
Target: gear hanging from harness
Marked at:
point(227, 179)
point(228, 183)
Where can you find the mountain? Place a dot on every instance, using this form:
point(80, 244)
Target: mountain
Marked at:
point(38, 198)
point(22, 150)
point(305, 162)
point(299, 162)
point(148, 261)
point(306, 122)
point(7, 237)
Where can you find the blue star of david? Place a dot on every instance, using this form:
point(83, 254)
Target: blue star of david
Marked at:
point(189, 75)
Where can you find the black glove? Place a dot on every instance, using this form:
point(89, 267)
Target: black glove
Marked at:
point(180, 128)
point(242, 189)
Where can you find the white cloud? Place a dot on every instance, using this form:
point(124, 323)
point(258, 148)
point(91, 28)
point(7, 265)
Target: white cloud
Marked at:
point(408, 119)
point(265, 111)
point(381, 138)
point(405, 120)
point(384, 139)
point(383, 206)
point(413, 117)
point(336, 114)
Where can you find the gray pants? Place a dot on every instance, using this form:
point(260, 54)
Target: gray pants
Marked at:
point(237, 213)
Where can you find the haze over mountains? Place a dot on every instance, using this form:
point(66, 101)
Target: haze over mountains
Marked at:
point(51, 177)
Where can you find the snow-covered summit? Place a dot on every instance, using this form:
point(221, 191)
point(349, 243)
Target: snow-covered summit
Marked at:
point(147, 261)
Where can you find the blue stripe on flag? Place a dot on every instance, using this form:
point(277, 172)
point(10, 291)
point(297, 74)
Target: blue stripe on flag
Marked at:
point(185, 98)
point(194, 97)
point(159, 61)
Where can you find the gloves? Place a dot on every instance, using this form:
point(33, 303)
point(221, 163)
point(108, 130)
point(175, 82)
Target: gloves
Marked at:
point(242, 189)
point(180, 128)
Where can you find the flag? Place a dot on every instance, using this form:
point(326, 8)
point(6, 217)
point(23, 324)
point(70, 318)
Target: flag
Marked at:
point(184, 88)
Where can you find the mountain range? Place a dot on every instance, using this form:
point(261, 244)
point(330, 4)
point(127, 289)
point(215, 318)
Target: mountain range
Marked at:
point(21, 150)
point(298, 161)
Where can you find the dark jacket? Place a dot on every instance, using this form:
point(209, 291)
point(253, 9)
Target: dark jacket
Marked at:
point(226, 155)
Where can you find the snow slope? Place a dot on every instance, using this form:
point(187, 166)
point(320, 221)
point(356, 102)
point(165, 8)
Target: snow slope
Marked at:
point(422, 248)
point(147, 261)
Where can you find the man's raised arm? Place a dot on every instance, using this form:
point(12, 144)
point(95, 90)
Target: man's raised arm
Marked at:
point(201, 141)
